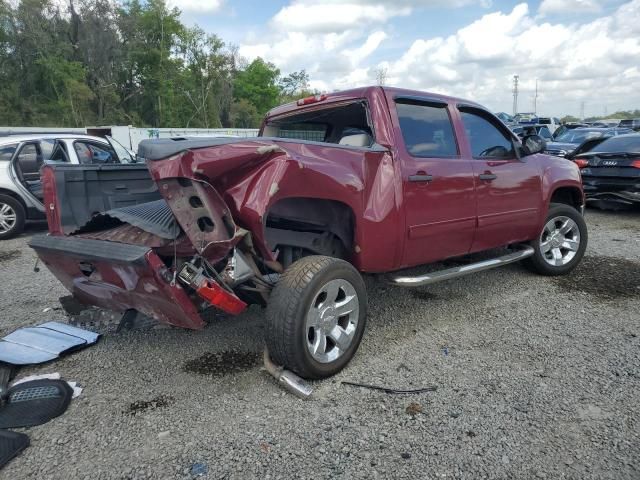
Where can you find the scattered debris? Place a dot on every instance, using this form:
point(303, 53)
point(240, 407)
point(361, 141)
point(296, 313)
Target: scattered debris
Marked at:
point(414, 409)
point(34, 403)
point(11, 444)
point(141, 406)
point(50, 376)
point(199, 469)
point(431, 388)
point(30, 345)
point(219, 364)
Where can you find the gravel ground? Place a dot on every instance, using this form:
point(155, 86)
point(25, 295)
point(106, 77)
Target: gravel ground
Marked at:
point(535, 377)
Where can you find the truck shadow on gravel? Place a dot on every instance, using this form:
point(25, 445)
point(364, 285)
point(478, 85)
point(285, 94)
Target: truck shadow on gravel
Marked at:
point(220, 364)
point(607, 278)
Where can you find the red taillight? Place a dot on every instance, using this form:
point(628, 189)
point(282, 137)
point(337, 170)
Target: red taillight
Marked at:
point(219, 297)
point(50, 200)
point(636, 163)
point(311, 99)
point(581, 163)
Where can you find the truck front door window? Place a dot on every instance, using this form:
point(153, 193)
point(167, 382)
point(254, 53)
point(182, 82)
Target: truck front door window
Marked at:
point(426, 130)
point(485, 140)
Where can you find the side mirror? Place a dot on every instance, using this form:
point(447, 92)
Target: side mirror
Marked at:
point(533, 144)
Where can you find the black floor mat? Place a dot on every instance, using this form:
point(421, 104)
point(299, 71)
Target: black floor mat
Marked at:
point(34, 403)
point(11, 444)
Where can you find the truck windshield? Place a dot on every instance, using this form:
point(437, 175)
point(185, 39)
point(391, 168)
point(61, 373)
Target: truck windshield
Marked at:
point(345, 125)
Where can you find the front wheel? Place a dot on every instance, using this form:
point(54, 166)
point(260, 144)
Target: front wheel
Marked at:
point(12, 217)
point(561, 244)
point(316, 316)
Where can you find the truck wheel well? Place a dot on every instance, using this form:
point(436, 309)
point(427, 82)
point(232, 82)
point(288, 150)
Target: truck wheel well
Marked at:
point(569, 196)
point(302, 226)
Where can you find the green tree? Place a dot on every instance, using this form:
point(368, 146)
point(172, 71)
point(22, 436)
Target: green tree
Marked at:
point(258, 85)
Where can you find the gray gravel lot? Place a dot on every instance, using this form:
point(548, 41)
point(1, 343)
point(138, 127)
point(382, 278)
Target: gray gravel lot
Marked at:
point(536, 378)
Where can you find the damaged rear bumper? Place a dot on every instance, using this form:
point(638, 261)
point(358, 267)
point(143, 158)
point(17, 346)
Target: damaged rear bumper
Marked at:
point(117, 276)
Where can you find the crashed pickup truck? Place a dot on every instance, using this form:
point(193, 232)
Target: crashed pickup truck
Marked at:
point(367, 181)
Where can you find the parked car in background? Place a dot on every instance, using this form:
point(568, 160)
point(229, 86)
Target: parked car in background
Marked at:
point(607, 123)
point(524, 130)
point(525, 118)
point(505, 117)
point(566, 127)
point(610, 171)
point(633, 124)
point(552, 123)
point(569, 140)
point(20, 160)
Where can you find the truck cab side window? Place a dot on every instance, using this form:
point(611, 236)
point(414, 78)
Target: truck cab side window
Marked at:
point(485, 139)
point(426, 129)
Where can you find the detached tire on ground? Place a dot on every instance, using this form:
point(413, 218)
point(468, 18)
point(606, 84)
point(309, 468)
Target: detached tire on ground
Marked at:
point(561, 244)
point(316, 316)
point(12, 217)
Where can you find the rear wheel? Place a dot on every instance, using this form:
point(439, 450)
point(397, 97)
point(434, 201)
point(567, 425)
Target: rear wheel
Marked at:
point(562, 242)
point(316, 316)
point(12, 217)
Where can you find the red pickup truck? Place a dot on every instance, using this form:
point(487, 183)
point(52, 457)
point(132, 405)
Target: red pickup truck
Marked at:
point(370, 180)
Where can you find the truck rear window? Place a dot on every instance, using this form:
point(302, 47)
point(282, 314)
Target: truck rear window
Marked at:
point(303, 131)
point(426, 129)
point(345, 124)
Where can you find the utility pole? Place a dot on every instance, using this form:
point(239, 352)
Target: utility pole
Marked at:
point(535, 99)
point(515, 94)
point(582, 110)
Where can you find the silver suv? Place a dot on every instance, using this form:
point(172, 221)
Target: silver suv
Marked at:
point(20, 160)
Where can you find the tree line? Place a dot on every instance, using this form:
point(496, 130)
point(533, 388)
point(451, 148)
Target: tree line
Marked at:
point(74, 63)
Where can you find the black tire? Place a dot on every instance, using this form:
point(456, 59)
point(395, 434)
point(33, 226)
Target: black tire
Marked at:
point(286, 332)
point(537, 262)
point(20, 217)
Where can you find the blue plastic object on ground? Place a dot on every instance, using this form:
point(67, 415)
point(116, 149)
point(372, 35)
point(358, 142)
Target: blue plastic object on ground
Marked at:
point(31, 345)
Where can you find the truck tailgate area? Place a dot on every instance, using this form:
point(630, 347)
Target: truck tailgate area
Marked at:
point(117, 276)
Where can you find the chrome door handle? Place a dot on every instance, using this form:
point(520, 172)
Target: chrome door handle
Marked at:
point(420, 178)
point(487, 176)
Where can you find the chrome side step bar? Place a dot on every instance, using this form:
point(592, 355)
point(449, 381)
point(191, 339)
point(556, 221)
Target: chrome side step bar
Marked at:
point(455, 272)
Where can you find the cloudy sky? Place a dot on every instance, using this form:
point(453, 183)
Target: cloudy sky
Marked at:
point(579, 50)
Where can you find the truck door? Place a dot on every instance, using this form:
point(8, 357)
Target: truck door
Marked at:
point(508, 188)
point(438, 185)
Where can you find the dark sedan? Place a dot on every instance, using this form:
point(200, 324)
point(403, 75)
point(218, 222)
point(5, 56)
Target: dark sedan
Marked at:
point(611, 171)
point(568, 141)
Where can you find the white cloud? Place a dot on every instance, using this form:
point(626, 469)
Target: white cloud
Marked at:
point(568, 6)
point(590, 62)
point(594, 61)
point(199, 6)
point(321, 18)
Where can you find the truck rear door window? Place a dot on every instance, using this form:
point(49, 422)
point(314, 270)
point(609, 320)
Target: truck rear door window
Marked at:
point(426, 129)
point(346, 124)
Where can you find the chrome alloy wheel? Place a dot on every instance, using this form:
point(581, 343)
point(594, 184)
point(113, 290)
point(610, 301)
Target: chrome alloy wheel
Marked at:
point(559, 241)
point(7, 218)
point(332, 320)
